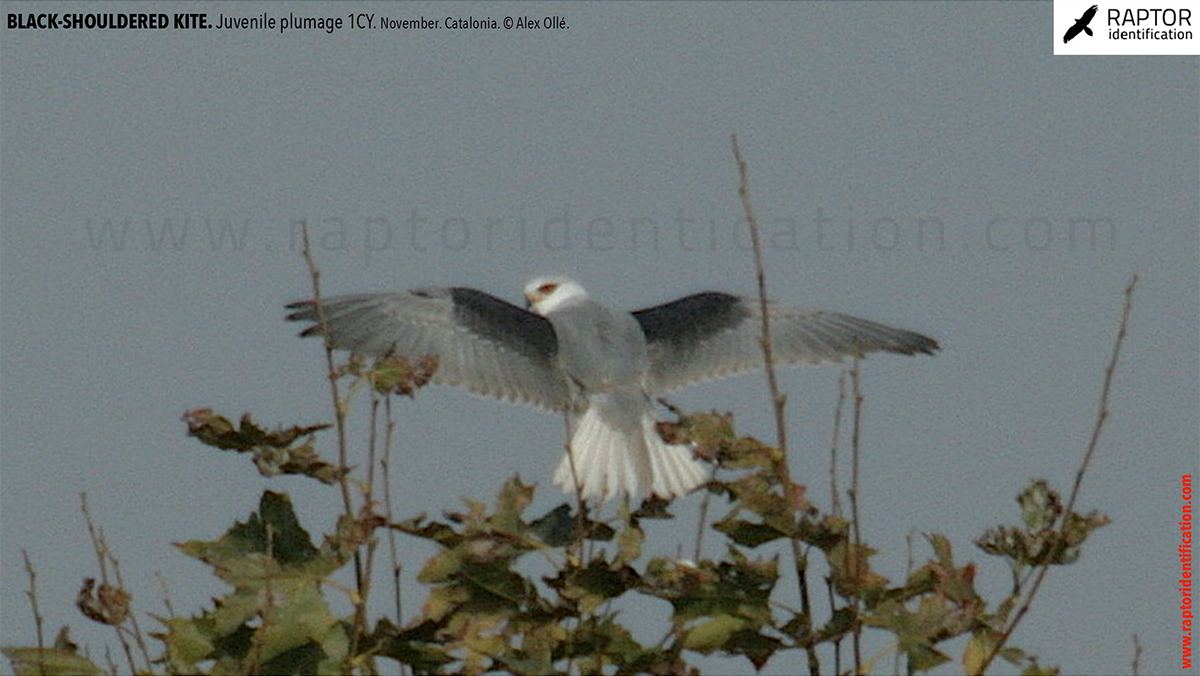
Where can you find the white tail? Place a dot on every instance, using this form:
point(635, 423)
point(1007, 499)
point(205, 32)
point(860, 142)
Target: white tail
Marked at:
point(612, 458)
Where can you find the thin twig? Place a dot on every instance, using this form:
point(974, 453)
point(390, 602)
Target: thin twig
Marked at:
point(702, 526)
point(166, 592)
point(339, 414)
point(138, 636)
point(1102, 411)
point(33, 601)
point(837, 646)
point(99, 546)
point(372, 441)
point(339, 409)
point(105, 558)
point(112, 664)
point(1137, 655)
point(777, 398)
point(1102, 414)
point(836, 505)
point(782, 470)
point(393, 548)
point(856, 531)
point(908, 569)
point(368, 490)
point(578, 542)
point(835, 495)
point(581, 533)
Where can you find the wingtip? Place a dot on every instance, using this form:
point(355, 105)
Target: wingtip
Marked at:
point(916, 344)
point(301, 311)
point(927, 346)
point(314, 330)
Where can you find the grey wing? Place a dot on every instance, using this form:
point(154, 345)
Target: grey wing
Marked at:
point(483, 344)
point(713, 335)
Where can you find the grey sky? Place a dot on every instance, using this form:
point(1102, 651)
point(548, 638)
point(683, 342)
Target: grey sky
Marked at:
point(928, 166)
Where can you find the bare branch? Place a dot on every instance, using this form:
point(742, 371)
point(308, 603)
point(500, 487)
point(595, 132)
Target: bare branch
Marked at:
point(855, 449)
point(339, 413)
point(783, 471)
point(1102, 414)
point(33, 601)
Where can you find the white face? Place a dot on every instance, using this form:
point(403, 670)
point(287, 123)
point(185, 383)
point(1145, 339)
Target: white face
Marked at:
point(546, 294)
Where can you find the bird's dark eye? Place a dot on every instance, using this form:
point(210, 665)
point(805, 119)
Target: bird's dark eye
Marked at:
point(547, 288)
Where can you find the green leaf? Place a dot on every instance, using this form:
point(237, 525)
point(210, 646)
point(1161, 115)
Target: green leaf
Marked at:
point(276, 616)
point(653, 507)
point(598, 644)
point(982, 643)
point(188, 640)
point(560, 527)
point(1049, 538)
point(414, 645)
point(441, 567)
point(851, 572)
point(839, 624)
point(696, 590)
point(746, 533)
point(49, 662)
point(924, 657)
point(539, 643)
point(594, 584)
point(713, 633)
point(629, 544)
point(756, 647)
point(445, 600)
point(511, 501)
point(270, 543)
point(436, 531)
point(1040, 505)
point(288, 614)
point(941, 548)
point(557, 528)
point(825, 533)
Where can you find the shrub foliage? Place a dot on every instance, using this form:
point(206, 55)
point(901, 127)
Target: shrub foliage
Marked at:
point(484, 615)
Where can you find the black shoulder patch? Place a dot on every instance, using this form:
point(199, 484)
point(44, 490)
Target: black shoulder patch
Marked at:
point(692, 318)
point(504, 323)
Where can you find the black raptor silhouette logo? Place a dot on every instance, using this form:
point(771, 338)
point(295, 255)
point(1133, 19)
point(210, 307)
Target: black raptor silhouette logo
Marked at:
point(1081, 24)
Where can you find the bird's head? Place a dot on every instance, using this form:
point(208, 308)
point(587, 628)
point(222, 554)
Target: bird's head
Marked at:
point(547, 294)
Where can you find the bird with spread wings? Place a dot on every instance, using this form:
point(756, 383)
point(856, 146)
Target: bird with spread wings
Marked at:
point(601, 367)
